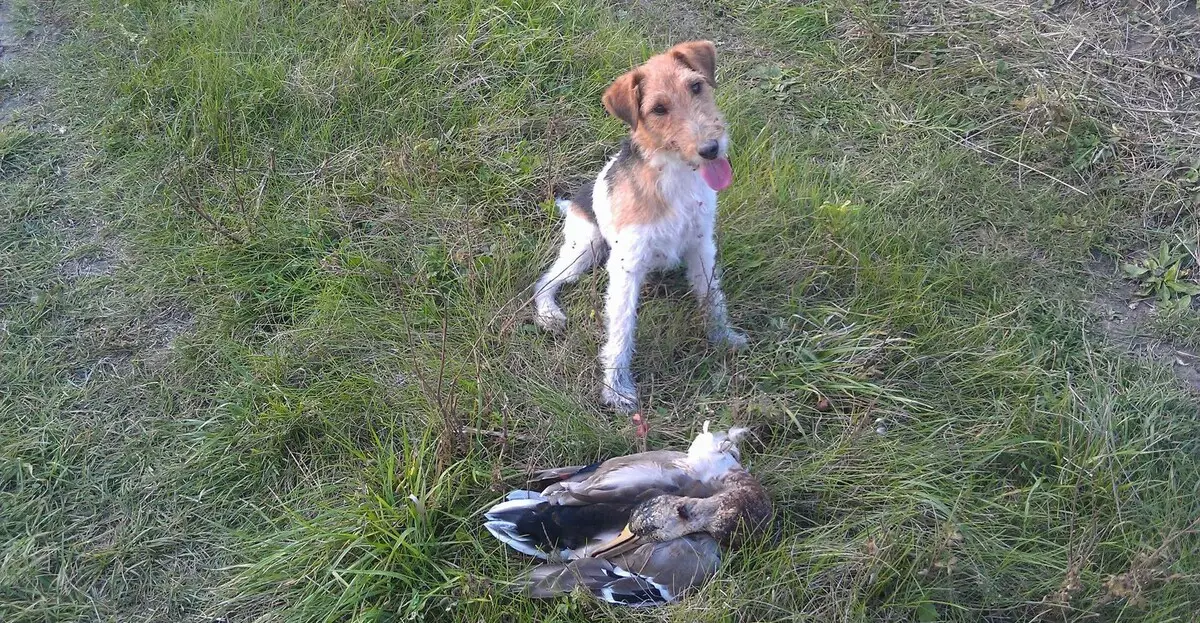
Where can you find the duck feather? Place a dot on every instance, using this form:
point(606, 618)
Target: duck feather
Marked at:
point(653, 574)
point(633, 479)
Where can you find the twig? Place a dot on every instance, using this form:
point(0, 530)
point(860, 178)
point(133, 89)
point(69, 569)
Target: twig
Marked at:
point(237, 193)
point(1022, 165)
point(1160, 111)
point(198, 209)
point(1072, 54)
point(262, 184)
point(258, 199)
point(498, 434)
point(981, 148)
point(1179, 70)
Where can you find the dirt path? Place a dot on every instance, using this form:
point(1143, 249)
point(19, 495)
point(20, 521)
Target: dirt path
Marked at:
point(1128, 322)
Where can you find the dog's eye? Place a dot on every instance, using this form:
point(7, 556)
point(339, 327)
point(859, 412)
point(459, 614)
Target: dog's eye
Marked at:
point(696, 87)
point(659, 110)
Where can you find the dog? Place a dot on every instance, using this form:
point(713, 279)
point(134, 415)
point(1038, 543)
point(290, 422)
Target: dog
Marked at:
point(653, 206)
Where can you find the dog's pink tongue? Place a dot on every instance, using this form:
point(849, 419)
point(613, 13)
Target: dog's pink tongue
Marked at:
point(717, 174)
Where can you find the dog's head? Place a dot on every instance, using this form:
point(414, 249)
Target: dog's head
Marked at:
point(669, 104)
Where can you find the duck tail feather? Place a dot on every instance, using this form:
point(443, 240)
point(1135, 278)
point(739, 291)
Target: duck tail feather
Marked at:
point(600, 578)
point(502, 521)
point(545, 581)
point(506, 532)
point(551, 580)
point(636, 591)
point(513, 508)
point(555, 473)
point(522, 494)
point(547, 477)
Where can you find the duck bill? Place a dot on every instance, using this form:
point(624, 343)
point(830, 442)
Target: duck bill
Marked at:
point(623, 543)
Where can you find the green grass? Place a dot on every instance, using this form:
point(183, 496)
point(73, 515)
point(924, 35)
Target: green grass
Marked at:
point(299, 416)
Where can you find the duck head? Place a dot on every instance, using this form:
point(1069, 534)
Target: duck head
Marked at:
point(742, 507)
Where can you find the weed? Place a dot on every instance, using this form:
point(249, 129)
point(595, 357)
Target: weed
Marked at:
point(1166, 275)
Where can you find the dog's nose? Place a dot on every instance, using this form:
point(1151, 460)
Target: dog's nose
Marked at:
point(708, 150)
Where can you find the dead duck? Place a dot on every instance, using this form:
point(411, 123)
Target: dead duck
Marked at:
point(647, 545)
point(584, 506)
point(669, 545)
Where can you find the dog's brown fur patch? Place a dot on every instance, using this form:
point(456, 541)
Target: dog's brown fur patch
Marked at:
point(636, 199)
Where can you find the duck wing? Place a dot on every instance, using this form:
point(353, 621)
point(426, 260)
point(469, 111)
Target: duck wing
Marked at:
point(630, 479)
point(654, 574)
point(530, 524)
point(583, 506)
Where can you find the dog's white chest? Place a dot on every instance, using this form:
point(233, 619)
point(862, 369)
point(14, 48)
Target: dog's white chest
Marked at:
point(690, 218)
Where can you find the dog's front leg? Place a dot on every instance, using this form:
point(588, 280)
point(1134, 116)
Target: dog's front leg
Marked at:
point(625, 276)
point(702, 273)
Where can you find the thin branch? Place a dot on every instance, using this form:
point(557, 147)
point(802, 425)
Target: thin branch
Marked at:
point(967, 142)
point(198, 209)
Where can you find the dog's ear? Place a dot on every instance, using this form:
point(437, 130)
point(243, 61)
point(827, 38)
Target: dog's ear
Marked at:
point(623, 98)
point(700, 57)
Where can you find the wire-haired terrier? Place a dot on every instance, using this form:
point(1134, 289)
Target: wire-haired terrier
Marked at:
point(653, 206)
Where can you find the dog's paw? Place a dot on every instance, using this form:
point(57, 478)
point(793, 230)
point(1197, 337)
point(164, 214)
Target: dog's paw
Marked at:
point(730, 338)
point(620, 392)
point(550, 319)
point(619, 401)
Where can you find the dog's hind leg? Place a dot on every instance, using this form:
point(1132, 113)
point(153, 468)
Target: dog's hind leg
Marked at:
point(581, 249)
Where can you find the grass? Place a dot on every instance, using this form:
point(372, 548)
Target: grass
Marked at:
point(265, 353)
